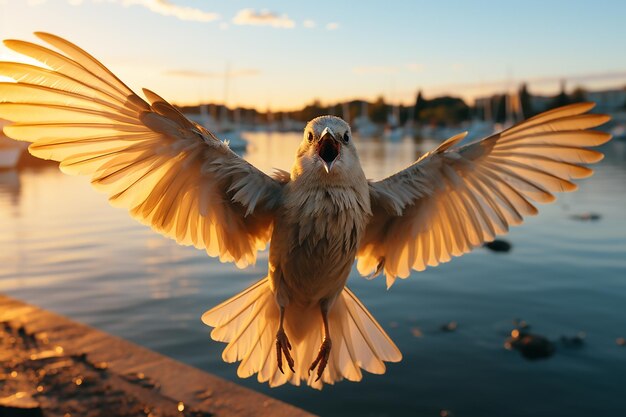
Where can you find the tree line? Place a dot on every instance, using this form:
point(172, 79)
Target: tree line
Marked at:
point(438, 111)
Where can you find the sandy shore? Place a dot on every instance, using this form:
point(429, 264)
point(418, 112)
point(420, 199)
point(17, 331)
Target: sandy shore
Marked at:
point(52, 366)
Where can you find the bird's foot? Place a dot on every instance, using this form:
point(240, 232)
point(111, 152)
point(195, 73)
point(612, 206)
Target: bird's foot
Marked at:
point(322, 358)
point(283, 347)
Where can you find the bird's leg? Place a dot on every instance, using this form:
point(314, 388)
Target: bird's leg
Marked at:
point(324, 352)
point(282, 344)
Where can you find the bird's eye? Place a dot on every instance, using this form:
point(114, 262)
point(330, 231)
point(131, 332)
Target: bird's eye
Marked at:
point(309, 137)
point(346, 137)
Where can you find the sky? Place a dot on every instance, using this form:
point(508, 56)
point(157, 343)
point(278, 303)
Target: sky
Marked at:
point(281, 55)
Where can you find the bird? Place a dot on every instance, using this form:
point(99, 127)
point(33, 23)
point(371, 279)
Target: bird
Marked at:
point(300, 323)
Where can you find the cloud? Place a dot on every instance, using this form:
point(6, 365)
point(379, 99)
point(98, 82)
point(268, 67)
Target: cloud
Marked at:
point(165, 8)
point(375, 69)
point(35, 2)
point(263, 18)
point(309, 24)
point(332, 26)
point(187, 73)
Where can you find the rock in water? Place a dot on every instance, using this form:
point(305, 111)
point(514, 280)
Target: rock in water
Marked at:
point(498, 245)
point(576, 341)
point(586, 217)
point(449, 327)
point(530, 346)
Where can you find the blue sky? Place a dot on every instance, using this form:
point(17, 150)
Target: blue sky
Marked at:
point(284, 54)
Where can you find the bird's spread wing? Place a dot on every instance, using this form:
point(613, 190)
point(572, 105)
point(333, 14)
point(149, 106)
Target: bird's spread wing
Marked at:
point(457, 197)
point(169, 172)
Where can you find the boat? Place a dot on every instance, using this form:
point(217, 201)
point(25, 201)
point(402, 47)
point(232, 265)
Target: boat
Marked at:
point(439, 133)
point(222, 128)
point(363, 125)
point(230, 131)
point(478, 127)
point(393, 130)
point(513, 112)
point(287, 124)
point(226, 130)
point(235, 140)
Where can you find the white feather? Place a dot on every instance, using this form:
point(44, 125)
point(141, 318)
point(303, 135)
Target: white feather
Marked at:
point(456, 198)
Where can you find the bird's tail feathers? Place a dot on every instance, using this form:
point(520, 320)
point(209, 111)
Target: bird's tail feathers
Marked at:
point(249, 321)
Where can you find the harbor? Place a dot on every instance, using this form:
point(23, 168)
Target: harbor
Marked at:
point(312, 208)
point(64, 249)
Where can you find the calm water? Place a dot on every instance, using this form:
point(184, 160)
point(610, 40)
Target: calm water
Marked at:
point(62, 247)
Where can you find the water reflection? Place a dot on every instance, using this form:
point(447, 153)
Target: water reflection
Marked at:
point(379, 157)
point(615, 153)
point(10, 187)
point(63, 247)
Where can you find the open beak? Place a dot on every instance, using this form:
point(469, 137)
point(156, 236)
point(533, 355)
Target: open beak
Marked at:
point(328, 149)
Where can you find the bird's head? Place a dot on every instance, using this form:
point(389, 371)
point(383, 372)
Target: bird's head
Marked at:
point(327, 148)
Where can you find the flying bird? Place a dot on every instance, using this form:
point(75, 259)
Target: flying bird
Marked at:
point(300, 322)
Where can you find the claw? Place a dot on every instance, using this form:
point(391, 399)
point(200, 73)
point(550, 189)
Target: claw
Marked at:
point(322, 358)
point(279, 357)
point(282, 348)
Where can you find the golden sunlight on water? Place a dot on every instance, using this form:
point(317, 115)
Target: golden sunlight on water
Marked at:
point(64, 248)
point(379, 157)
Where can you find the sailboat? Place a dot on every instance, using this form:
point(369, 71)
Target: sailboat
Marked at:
point(363, 125)
point(513, 111)
point(225, 129)
point(230, 131)
point(393, 130)
point(482, 127)
point(410, 124)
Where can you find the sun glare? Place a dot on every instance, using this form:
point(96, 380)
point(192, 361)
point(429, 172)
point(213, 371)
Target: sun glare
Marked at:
point(7, 55)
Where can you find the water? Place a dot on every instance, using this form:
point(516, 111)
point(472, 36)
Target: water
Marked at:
point(62, 247)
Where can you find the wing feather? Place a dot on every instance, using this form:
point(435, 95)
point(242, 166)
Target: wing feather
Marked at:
point(41, 94)
point(458, 197)
point(65, 65)
point(169, 172)
point(86, 60)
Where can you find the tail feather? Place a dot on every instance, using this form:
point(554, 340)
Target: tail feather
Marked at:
point(248, 323)
point(248, 333)
point(377, 339)
point(232, 308)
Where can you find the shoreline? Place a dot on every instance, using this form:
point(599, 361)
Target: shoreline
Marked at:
point(51, 365)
